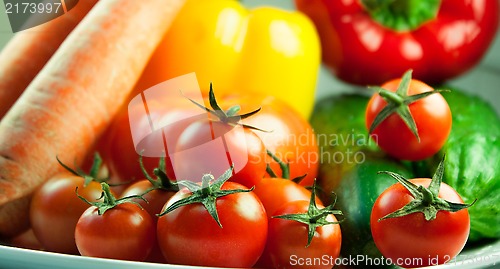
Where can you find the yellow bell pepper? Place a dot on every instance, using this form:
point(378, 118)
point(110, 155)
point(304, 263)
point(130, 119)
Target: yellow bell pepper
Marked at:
point(264, 50)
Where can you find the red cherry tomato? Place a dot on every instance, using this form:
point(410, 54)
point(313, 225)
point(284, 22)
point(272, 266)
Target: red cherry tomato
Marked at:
point(156, 199)
point(190, 236)
point(124, 232)
point(276, 192)
point(55, 210)
point(287, 241)
point(411, 241)
point(432, 117)
point(208, 146)
point(289, 136)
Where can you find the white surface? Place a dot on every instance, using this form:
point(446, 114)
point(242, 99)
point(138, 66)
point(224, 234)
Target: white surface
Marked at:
point(484, 81)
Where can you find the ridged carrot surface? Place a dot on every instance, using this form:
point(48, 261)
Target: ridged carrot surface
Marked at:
point(74, 97)
point(28, 51)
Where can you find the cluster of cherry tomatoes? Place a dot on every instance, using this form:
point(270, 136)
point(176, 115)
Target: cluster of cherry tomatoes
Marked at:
point(255, 210)
point(230, 219)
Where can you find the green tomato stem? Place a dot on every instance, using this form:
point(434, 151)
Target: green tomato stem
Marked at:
point(426, 200)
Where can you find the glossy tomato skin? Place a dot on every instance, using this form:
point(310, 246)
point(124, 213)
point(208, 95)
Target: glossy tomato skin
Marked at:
point(360, 50)
point(55, 210)
point(125, 232)
point(119, 150)
point(190, 236)
point(211, 146)
point(411, 241)
point(432, 116)
point(287, 134)
point(156, 199)
point(276, 192)
point(287, 240)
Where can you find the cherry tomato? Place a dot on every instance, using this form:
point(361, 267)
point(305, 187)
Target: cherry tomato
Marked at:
point(124, 232)
point(215, 147)
point(55, 210)
point(287, 241)
point(412, 241)
point(26, 240)
point(156, 199)
point(287, 134)
point(189, 235)
point(120, 151)
point(275, 192)
point(432, 117)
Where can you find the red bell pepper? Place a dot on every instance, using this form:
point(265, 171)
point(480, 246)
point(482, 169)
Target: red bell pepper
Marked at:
point(372, 41)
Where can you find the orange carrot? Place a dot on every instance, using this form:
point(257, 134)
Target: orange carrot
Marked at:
point(74, 97)
point(28, 51)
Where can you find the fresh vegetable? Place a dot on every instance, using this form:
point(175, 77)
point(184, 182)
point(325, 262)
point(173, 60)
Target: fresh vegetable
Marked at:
point(339, 123)
point(472, 153)
point(471, 168)
point(155, 191)
point(356, 194)
point(28, 51)
point(372, 41)
point(420, 222)
point(470, 114)
point(115, 228)
point(264, 50)
point(300, 234)
point(288, 136)
point(408, 119)
point(216, 223)
point(117, 143)
point(276, 191)
point(217, 142)
point(25, 240)
point(55, 208)
point(71, 101)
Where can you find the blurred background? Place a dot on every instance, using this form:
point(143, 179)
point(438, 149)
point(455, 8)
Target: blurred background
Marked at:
point(483, 80)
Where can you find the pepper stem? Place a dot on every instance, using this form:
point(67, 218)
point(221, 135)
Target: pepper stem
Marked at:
point(402, 15)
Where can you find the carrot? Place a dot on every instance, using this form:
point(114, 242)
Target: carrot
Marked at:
point(28, 51)
point(74, 97)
